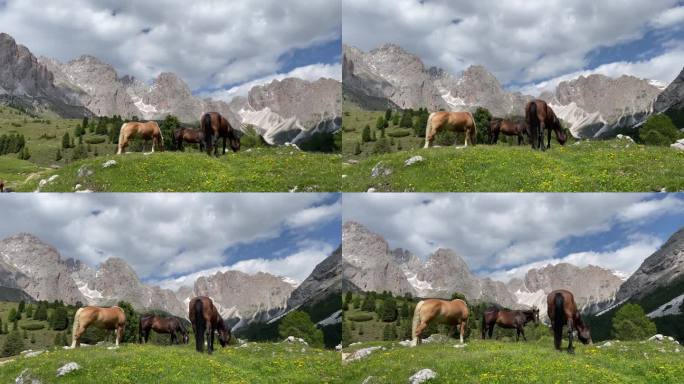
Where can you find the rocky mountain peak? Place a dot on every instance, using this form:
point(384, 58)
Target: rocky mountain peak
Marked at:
point(324, 280)
point(662, 268)
point(673, 96)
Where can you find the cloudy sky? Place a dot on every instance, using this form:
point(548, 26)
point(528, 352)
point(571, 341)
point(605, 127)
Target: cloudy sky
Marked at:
point(215, 46)
point(529, 45)
point(171, 238)
point(504, 235)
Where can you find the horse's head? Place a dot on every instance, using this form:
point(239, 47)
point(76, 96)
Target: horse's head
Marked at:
point(224, 333)
point(584, 333)
point(535, 315)
point(560, 132)
point(234, 141)
point(186, 338)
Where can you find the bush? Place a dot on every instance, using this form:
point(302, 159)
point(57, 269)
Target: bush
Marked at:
point(659, 130)
point(299, 324)
point(366, 134)
point(95, 140)
point(630, 323)
point(360, 317)
point(401, 133)
point(382, 146)
point(252, 139)
point(445, 138)
point(32, 326)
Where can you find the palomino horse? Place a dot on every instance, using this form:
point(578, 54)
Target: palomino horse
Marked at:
point(454, 121)
point(188, 135)
point(452, 313)
point(159, 324)
point(213, 126)
point(563, 311)
point(539, 116)
point(508, 128)
point(112, 318)
point(206, 320)
point(508, 319)
point(147, 131)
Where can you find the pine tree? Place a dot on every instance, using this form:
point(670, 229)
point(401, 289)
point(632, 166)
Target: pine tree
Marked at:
point(357, 301)
point(379, 123)
point(12, 314)
point(366, 134)
point(395, 119)
point(58, 155)
point(58, 340)
point(631, 323)
point(299, 324)
point(357, 148)
point(59, 319)
point(348, 297)
point(22, 306)
point(13, 344)
point(33, 338)
point(389, 312)
point(2, 330)
point(388, 115)
point(66, 141)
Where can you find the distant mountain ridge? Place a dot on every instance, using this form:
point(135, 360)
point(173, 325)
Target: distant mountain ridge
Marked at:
point(372, 266)
point(30, 266)
point(88, 86)
point(593, 106)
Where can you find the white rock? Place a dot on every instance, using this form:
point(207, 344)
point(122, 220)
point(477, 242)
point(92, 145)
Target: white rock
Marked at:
point(66, 368)
point(109, 163)
point(25, 378)
point(293, 190)
point(460, 345)
point(371, 190)
point(368, 380)
point(84, 191)
point(77, 187)
point(679, 144)
point(413, 160)
point(657, 337)
point(606, 344)
point(33, 353)
point(360, 354)
point(624, 137)
point(338, 347)
point(380, 170)
point(344, 176)
point(405, 343)
point(52, 178)
point(422, 376)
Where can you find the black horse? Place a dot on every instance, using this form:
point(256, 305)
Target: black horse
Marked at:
point(206, 321)
point(170, 325)
point(215, 126)
point(508, 319)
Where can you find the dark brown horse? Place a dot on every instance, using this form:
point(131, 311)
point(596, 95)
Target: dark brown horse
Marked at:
point(213, 126)
point(563, 311)
point(508, 128)
point(206, 320)
point(539, 117)
point(508, 319)
point(159, 324)
point(188, 135)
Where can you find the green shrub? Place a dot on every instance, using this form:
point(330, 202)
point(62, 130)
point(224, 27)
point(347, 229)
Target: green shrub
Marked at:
point(14, 344)
point(659, 130)
point(95, 140)
point(32, 326)
point(631, 323)
point(401, 133)
point(382, 146)
point(360, 317)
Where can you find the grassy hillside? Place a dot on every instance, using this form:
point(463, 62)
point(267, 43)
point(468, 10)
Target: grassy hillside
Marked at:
point(131, 363)
point(533, 362)
point(591, 166)
point(259, 169)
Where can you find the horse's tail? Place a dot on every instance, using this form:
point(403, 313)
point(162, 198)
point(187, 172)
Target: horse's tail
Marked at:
point(208, 131)
point(77, 324)
point(473, 137)
point(558, 318)
point(416, 321)
point(200, 326)
point(428, 129)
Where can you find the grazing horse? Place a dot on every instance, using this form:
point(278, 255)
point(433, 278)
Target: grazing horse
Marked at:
point(112, 318)
point(147, 131)
point(159, 324)
point(539, 116)
point(454, 121)
point(188, 135)
point(206, 320)
point(508, 319)
point(452, 313)
point(213, 126)
point(563, 311)
point(508, 128)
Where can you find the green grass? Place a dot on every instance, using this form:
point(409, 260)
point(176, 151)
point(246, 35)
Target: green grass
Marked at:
point(592, 166)
point(132, 363)
point(533, 362)
point(264, 170)
point(260, 169)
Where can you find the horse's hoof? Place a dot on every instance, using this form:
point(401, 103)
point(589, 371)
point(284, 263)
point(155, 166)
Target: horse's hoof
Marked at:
point(571, 351)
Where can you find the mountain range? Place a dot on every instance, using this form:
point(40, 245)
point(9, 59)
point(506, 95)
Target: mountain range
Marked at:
point(36, 269)
point(288, 110)
point(592, 106)
point(371, 265)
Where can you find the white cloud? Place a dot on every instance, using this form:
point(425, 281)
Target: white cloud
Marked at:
point(160, 234)
point(520, 41)
point(624, 260)
point(664, 68)
point(208, 43)
point(311, 216)
point(297, 266)
point(669, 18)
point(311, 72)
point(497, 231)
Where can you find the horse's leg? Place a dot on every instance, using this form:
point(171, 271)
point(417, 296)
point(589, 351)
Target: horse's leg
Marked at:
point(548, 140)
point(211, 343)
point(419, 330)
point(491, 331)
point(463, 324)
point(571, 328)
point(173, 338)
point(224, 145)
point(542, 126)
point(77, 337)
point(122, 144)
point(522, 332)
